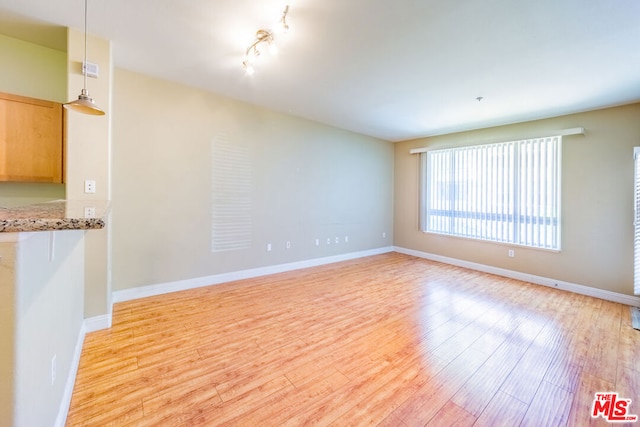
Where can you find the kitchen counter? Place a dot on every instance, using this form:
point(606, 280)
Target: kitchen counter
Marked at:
point(55, 215)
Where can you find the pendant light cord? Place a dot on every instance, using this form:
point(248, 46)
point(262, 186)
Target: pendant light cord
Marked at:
point(84, 65)
point(84, 104)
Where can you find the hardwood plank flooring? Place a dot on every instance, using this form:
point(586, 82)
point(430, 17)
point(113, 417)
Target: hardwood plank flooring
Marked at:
point(388, 340)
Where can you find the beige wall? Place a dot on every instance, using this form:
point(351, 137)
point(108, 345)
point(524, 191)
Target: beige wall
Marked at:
point(303, 181)
point(14, 194)
point(38, 72)
point(89, 157)
point(597, 208)
point(88, 147)
point(32, 70)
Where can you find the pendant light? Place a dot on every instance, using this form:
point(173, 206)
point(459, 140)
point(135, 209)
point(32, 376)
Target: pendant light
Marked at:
point(84, 104)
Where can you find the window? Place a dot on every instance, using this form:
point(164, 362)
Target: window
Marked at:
point(507, 192)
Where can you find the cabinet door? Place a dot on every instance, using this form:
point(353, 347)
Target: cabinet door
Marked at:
point(31, 141)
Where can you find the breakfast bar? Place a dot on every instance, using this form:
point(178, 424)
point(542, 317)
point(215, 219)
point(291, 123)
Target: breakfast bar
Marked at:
point(42, 293)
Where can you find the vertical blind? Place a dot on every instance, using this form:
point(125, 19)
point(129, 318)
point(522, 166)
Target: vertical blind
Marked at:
point(507, 192)
point(636, 222)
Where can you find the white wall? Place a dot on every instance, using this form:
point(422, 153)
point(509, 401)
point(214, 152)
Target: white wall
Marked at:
point(48, 307)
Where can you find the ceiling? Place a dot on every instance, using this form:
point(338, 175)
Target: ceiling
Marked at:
point(395, 70)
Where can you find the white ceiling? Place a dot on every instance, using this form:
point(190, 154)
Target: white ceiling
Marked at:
point(396, 70)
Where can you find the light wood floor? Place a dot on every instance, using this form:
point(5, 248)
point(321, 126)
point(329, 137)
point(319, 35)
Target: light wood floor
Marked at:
point(387, 340)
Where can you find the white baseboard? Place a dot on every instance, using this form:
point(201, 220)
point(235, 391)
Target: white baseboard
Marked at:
point(97, 323)
point(104, 321)
point(63, 411)
point(531, 278)
point(89, 325)
point(181, 285)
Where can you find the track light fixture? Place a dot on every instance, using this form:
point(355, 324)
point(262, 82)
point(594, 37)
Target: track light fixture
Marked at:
point(264, 39)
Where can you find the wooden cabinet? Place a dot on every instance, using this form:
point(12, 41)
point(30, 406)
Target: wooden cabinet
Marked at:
point(31, 139)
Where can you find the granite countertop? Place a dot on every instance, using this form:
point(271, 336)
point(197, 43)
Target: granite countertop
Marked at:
point(55, 215)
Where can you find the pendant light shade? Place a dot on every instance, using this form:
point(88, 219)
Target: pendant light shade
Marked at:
point(84, 104)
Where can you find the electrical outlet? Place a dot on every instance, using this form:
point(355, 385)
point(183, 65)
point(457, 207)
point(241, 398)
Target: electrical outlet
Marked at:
point(328, 241)
point(337, 240)
point(53, 369)
point(268, 247)
point(89, 186)
point(89, 212)
point(288, 245)
point(511, 253)
point(317, 242)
